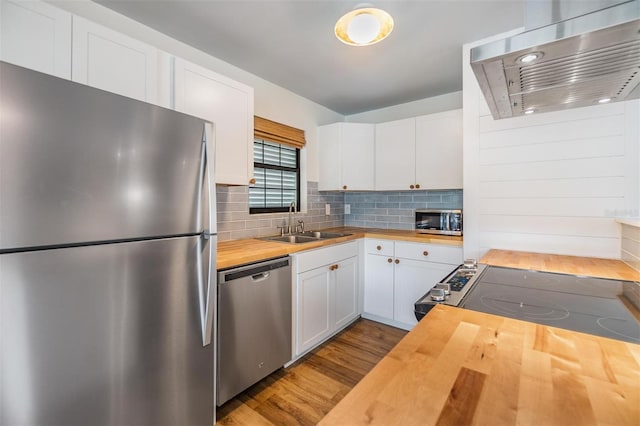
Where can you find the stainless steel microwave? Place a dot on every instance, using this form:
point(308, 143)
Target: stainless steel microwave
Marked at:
point(444, 222)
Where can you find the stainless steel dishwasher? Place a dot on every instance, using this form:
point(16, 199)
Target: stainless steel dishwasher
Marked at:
point(254, 324)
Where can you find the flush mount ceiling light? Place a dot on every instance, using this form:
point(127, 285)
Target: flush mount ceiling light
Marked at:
point(364, 26)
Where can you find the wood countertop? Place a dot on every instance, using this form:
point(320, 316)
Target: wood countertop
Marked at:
point(239, 252)
point(575, 265)
point(461, 367)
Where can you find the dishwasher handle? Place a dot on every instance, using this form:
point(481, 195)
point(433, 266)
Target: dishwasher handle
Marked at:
point(260, 277)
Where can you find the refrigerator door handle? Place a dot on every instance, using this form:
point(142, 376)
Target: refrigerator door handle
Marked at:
point(208, 174)
point(206, 292)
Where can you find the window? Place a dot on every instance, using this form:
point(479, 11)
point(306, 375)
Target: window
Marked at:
point(276, 170)
point(276, 166)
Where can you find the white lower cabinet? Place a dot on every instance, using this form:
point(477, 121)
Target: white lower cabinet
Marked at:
point(325, 293)
point(397, 273)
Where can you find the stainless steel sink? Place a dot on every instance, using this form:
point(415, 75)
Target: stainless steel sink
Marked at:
point(323, 235)
point(305, 237)
point(292, 239)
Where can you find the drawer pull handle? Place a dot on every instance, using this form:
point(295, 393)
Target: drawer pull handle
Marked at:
point(389, 260)
point(425, 253)
point(379, 248)
point(397, 261)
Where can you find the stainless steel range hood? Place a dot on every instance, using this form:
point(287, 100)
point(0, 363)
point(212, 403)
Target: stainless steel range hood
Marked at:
point(582, 58)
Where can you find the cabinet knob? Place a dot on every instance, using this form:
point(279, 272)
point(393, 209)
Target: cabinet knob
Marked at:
point(417, 186)
point(389, 260)
point(425, 253)
point(397, 261)
point(333, 267)
point(379, 248)
point(337, 266)
point(411, 186)
point(252, 181)
point(344, 186)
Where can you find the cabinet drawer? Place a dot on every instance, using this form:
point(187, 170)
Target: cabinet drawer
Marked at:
point(429, 252)
point(312, 259)
point(382, 247)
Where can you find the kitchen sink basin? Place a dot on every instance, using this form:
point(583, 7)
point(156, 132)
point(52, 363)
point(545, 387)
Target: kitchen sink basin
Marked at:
point(293, 239)
point(323, 235)
point(305, 237)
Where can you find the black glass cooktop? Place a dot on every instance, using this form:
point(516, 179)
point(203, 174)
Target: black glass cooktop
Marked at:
point(586, 304)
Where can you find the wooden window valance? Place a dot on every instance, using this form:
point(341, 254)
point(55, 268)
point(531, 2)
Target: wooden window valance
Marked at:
point(277, 132)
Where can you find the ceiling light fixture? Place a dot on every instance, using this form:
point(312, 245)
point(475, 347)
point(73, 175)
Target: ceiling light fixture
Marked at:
point(604, 100)
point(364, 26)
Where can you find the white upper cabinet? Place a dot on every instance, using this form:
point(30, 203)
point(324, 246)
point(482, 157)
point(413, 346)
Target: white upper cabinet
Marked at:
point(420, 153)
point(114, 62)
point(36, 35)
point(439, 150)
point(229, 105)
point(346, 156)
point(395, 155)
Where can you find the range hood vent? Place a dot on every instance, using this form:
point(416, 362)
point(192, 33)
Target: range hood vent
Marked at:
point(579, 61)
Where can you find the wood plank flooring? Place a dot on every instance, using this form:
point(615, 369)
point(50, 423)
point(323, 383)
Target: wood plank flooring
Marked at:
point(306, 391)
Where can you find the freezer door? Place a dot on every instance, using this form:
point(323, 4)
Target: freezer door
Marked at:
point(108, 334)
point(78, 164)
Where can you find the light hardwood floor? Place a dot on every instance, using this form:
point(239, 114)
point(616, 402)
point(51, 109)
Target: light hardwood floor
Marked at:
point(306, 391)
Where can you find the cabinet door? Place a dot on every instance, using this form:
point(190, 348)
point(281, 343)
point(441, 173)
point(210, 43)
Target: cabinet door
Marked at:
point(395, 155)
point(439, 150)
point(378, 286)
point(114, 62)
point(346, 292)
point(36, 35)
point(330, 157)
point(413, 279)
point(314, 308)
point(358, 150)
point(229, 105)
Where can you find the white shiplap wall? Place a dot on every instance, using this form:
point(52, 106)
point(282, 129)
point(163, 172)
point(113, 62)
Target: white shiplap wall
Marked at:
point(549, 183)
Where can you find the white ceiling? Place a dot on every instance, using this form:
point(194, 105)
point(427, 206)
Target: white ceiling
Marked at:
point(291, 43)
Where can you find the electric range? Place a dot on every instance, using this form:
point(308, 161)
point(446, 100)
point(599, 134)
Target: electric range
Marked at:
point(602, 307)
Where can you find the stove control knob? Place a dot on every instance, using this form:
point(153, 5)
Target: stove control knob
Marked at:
point(437, 295)
point(446, 287)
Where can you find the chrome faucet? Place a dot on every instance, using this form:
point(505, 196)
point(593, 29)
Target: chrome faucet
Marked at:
point(292, 210)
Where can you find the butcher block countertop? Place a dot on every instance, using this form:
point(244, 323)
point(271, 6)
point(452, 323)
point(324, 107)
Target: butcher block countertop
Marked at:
point(587, 266)
point(461, 367)
point(239, 252)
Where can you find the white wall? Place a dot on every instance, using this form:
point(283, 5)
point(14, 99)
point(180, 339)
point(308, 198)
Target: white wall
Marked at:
point(549, 183)
point(270, 101)
point(424, 106)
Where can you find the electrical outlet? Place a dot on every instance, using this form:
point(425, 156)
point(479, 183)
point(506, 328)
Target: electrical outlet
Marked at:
point(327, 209)
point(347, 209)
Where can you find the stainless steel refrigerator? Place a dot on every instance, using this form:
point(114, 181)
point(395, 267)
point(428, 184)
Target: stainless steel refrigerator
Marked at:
point(107, 258)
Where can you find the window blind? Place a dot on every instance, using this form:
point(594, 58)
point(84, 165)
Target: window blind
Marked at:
point(276, 171)
point(278, 132)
